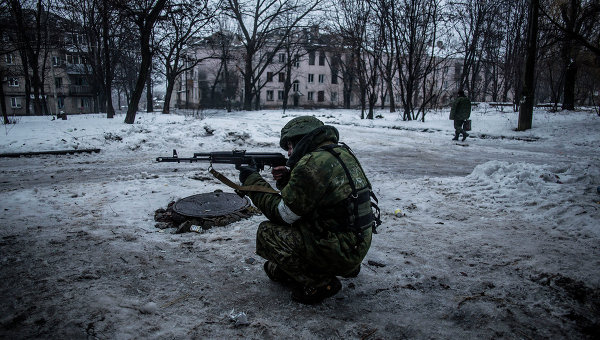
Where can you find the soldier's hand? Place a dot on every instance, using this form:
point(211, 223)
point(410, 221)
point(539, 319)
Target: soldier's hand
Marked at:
point(245, 172)
point(280, 173)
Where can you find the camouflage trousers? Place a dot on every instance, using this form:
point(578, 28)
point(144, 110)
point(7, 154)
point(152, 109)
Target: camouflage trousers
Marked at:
point(283, 245)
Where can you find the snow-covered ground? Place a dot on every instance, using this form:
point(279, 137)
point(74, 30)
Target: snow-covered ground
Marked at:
point(497, 237)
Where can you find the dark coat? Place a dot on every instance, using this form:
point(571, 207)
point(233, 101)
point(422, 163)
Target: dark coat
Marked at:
point(461, 109)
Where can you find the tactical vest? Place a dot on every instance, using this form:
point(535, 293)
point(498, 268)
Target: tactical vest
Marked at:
point(358, 215)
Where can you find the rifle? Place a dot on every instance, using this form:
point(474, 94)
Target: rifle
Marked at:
point(238, 157)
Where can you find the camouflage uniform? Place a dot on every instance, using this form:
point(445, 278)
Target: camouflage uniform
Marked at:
point(308, 249)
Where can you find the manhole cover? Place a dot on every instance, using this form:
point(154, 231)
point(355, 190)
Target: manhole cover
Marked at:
point(213, 204)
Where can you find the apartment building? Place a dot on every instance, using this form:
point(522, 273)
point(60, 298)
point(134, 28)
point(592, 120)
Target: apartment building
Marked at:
point(64, 72)
point(316, 78)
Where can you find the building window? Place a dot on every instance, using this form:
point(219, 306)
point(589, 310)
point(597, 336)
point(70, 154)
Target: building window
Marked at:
point(15, 103)
point(334, 76)
point(311, 78)
point(269, 76)
point(55, 61)
point(321, 78)
point(13, 82)
point(76, 39)
point(311, 58)
point(60, 102)
point(321, 96)
point(322, 58)
point(9, 59)
point(296, 86)
point(281, 77)
point(297, 60)
point(282, 57)
point(58, 82)
point(73, 59)
point(334, 97)
point(310, 95)
point(76, 59)
point(269, 95)
point(280, 95)
point(80, 81)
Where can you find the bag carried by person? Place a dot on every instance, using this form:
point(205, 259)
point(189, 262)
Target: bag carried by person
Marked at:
point(467, 125)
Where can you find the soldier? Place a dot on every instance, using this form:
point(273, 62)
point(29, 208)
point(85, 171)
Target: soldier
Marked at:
point(460, 112)
point(320, 225)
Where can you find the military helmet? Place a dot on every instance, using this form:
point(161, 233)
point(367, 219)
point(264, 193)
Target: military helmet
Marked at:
point(298, 127)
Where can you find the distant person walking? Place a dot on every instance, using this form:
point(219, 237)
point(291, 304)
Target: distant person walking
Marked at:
point(459, 113)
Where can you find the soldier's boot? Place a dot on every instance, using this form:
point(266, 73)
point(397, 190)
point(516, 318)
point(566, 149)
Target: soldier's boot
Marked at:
point(309, 295)
point(353, 273)
point(277, 274)
point(465, 135)
point(455, 136)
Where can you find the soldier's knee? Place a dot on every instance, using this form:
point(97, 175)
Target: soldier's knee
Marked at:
point(263, 229)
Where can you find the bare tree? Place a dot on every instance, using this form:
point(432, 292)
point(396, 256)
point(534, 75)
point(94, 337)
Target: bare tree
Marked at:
point(5, 49)
point(575, 24)
point(388, 66)
point(513, 25)
point(526, 108)
point(101, 25)
point(473, 23)
point(294, 48)
point(144, 13)
point(352, 18)
point(413, 26)
point(261, 27)
point(32, 42)
point(223, 45)
point(585, 31)
point(184, 21)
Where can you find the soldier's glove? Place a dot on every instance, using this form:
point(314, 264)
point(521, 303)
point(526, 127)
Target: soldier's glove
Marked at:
point(245, 172)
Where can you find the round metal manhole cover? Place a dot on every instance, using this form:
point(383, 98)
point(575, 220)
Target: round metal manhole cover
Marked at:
point(212, 204)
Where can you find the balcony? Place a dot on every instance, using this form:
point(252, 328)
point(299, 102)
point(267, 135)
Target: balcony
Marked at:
point(80, 90)
point(78, 69)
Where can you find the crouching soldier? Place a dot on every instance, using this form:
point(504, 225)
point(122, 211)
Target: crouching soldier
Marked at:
point(320, 225)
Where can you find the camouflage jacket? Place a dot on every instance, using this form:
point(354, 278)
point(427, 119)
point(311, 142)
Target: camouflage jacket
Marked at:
point(316, 192)
point(461, 109)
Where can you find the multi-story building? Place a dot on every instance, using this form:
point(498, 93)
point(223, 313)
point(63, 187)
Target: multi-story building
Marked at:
point(64, 72)
point(318, 78)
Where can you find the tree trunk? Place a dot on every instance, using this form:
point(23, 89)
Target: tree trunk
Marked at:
point(141, 81)
point(526, 108)
point(257, 101)
point(3, 99)
point(569, 89)
point(149, 101)
point(391, 94)
point(145, 33)
point(248, 85)
point(110, 110)
point(228, 90)
point(570, 72)
point(170, 86)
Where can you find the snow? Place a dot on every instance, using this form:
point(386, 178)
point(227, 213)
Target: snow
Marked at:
point(496, 237)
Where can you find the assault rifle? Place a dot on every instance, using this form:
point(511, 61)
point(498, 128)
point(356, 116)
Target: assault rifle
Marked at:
point(237, 157)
